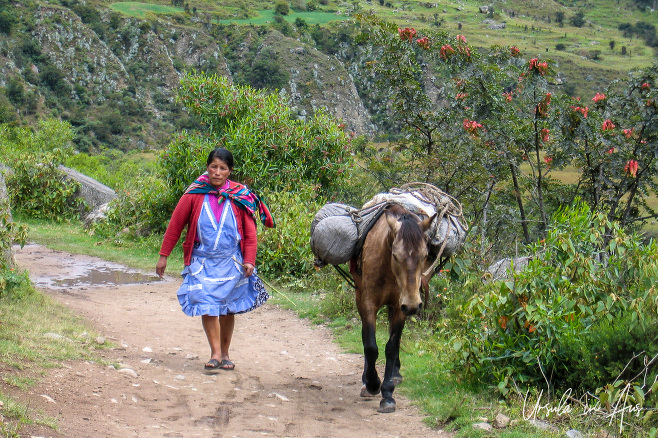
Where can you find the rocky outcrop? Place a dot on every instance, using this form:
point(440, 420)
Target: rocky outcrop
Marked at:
point(93, 192)
point(145, 60)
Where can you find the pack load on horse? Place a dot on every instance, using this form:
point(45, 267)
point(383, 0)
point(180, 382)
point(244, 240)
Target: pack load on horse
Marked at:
point(394, 244)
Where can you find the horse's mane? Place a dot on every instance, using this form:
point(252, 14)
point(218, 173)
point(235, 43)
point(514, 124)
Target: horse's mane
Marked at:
point(410, 230)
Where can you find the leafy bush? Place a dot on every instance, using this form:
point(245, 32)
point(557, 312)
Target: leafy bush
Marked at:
point(285, 250)
point(37, 188)
point(579, 280)
point(41, 190)
point(14, 284)
point(272, 148)
point(140, 211)
point(609, 351)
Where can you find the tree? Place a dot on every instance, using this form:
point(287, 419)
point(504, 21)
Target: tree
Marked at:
point(274, 150)
point(282, 8)
point(578, 20)
point(614, 141)
point(559, 17)
point(487, 121)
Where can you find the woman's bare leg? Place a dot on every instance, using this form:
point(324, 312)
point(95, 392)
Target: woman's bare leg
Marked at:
point(212, 328)
point(226, 324)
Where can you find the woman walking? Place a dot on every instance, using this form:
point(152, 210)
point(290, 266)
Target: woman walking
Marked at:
point(219, 253)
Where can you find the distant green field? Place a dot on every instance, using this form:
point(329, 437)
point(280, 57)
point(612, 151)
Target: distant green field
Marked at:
point(140, 10)
point(267, 16)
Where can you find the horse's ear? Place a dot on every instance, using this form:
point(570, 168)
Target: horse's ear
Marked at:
point(426, 223)
point(392, 220)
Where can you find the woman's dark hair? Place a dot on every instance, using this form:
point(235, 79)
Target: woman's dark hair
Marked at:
point(223, 154)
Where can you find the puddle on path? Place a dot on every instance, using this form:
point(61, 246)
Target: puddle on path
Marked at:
point(93, 275)
point(61, 271)
point(100, 274)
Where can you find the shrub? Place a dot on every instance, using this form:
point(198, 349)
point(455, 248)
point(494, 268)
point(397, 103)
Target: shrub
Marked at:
point(610, 350)
point(140, 211)
point(41, 190)
point(272, 148)
point(282, 8)
point(36, 186)
point(285, 250)
point(579, 280)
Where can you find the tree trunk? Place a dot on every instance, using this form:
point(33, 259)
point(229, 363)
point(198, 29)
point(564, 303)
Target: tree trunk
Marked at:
point(519, 200)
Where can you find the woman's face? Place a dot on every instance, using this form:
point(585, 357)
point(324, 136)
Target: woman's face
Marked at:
point(218, 173)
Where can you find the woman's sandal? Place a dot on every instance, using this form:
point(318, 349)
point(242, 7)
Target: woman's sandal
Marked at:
point(227, 365)
point(212, 364)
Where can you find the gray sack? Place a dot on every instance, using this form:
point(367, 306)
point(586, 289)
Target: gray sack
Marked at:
point(339, 230)
point(334, 235)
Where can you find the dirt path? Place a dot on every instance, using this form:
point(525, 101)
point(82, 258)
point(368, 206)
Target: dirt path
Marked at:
point(290, 379)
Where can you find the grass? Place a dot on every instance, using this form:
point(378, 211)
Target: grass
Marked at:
point(71, 237)
point(142, 10)
point(267, 16)
point(36, 334)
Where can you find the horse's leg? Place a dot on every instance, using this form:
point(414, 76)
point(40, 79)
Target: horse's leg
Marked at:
point(392, 372)
point(370, 379)
point(392, 320)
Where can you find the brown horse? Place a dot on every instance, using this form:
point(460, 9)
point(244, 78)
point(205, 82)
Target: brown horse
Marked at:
point(388, 272)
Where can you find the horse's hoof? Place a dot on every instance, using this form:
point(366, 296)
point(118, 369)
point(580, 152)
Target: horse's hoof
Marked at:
point(386, 407)
point(366, 393)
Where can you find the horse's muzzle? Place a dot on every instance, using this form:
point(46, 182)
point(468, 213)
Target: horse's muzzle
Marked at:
point(411, 310)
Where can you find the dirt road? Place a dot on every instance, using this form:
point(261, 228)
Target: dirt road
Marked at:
point(290, 379)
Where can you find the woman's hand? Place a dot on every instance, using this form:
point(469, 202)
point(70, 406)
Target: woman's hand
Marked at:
point(161, 266)
point(248, 269)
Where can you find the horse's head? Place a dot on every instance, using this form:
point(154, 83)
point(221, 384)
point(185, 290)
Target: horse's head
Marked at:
point(409, 253)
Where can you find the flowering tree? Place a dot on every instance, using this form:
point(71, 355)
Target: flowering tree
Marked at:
point(469, 122)
point(613, 139)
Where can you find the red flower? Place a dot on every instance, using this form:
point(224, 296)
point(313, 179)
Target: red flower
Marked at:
point(423, 42)
point(611, 150)
point(607, 125)
point(514, 51)
point(461, 38)
point(508, 96)
point(581, 110)
point(540, 67)
point(446, 51)
point(471, 126)
point(631, 168)
point(548, 160)
point(407, 33)
point(545, 135)
point(646, 86)
point(598, 97)
point(628, 132)
point(461, 96)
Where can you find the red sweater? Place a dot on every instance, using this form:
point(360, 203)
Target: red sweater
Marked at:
point(187, 214)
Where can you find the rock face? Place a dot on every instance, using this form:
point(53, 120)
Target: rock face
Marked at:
point(500, 269)
point(134, 67)
point(93, 192)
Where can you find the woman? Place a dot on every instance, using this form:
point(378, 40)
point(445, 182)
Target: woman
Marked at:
point(219, 253)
